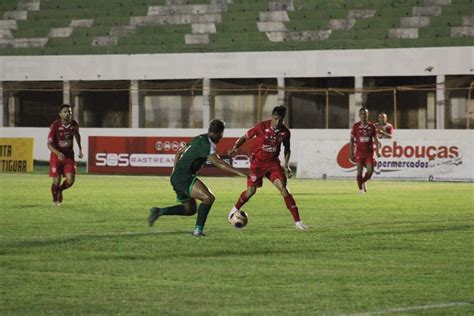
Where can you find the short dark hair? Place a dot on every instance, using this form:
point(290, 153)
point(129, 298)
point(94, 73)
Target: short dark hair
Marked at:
point(279, 110)
point(62, 106)
point(216, 126)
point(363, 109)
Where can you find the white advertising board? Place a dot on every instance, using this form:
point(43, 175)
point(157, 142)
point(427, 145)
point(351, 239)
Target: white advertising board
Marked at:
point(411, 154)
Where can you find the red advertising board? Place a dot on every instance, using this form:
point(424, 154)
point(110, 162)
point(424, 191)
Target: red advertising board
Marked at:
point(153, 155)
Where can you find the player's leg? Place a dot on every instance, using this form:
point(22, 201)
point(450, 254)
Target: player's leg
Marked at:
point(254, 181)
point(187, 207)
point(55, 172)
point(360, 182)
point(69, 177)
point(201, 192)
point(278, 178)
point(243, 198)
point(368, 174)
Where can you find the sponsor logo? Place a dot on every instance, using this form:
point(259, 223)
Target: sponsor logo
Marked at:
point(397, 157)
point(133, 160)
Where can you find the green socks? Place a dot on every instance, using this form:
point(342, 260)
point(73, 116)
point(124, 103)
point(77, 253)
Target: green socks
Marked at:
point(173, 210)
point(203, 211)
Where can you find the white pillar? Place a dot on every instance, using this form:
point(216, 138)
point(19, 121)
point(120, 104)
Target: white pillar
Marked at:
point(67, 92)
point(12, 109)
point(2, 108)
point(355, 103)
point(431, 110)
point(134, 104)
point(281, 90)
point(207, 103)
point(440, 102)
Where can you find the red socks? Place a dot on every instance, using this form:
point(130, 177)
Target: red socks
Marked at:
point(64, 186)
point(291, 205)
point(54, 192)
point(359, 181)
point(242, 200)
point(367, 177)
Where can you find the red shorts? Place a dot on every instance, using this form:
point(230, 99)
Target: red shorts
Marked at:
point(365, 159)
point(271, 170)
point(60, 168)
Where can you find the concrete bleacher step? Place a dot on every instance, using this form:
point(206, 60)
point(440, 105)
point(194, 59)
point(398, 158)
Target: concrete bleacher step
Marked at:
point(175, 19)
point(414, 21)
point(5, 34)
point(187, 9)
point(23, 42)
point(82, 23)
point(105, 41)
point(122, 30)
point(468, 20)
point(281, 5)
point(29, 5)
point(298, 36)
point(403, 33)
point(192, 39)
point(203, 28)
point(426, 11)
point(60, 32)
point(274, 16)
point(467, 28)
point(16, 15)
point(8, 25)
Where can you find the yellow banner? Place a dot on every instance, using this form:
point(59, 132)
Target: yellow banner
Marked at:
point(16, 154)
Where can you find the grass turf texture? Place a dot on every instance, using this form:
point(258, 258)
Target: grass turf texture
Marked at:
point(403, 244)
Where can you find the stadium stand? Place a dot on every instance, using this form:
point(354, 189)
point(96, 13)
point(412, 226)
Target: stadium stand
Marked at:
point(37, 27)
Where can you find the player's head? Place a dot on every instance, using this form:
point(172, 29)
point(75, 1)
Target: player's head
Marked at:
point(65, 112)
point(216, 130)
point(382, 118)
point(364, 115)
point(278, 114)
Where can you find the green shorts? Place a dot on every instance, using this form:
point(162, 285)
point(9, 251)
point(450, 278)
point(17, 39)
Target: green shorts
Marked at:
point(183, 185)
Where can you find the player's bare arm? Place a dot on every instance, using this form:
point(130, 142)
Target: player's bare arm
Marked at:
point(54, 150)
point(237, 144)
point(221, 164)
point(382, 132)
point(377, 145)
point(287, 153)
point(77, 136)
point(351, 147)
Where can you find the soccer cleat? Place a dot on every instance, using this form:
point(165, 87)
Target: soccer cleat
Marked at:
point(57, 203)
point(361, 191)
point(154, 215)
point(300, 226)
point(198, 234)
point(232, 211)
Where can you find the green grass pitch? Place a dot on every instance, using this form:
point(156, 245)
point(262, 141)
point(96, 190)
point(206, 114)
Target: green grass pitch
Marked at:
point(404, 247)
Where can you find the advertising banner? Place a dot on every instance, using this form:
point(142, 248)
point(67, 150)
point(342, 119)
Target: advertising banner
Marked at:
point(416, 156)
point(16, 154)
point(153, 155)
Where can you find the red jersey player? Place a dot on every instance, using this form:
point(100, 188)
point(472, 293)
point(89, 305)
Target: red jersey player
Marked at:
point(384, 128)
point(60, 142)
point(269, 135)
point(364, 136)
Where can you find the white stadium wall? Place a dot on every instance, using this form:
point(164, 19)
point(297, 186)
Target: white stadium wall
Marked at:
point(411, 154)
point(325, 63)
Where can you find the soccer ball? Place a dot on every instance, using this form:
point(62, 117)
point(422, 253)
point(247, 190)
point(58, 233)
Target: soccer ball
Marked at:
point(239, 219)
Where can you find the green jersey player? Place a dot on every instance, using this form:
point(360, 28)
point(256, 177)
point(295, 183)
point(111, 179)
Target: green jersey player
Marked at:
point(187, 185)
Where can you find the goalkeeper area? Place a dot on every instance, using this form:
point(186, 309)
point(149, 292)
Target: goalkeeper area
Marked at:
point(404, 247)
